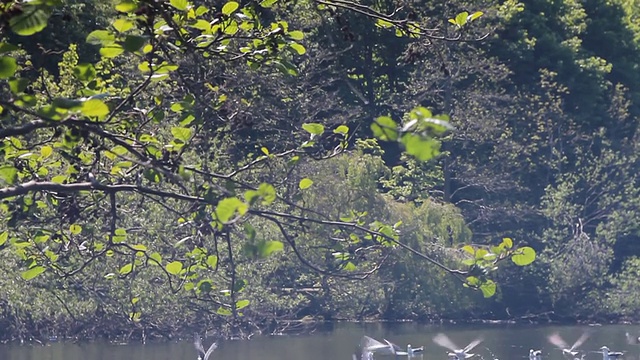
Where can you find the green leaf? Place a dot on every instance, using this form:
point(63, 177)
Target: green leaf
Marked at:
point(305, 183)
point(179, 4)
point(212, 261)
point(126, 6)
point(314, 128)
point(223, 311)
point(298, 48)
point(488, 288)
point(139, 247)
point(342, 129)
point(349, 266)
point(8, 67)
point(75, 229)
point(120, 235)
point(524, 256)
point(174, 267)
point(84, 72)
point(266, 248)
point(507, 243)
point(122, 25)
point(461, 19)
point(94, 108)
point(133, 43)
point(227, 207)
point(296, 35)
point(156, 257)
point(33, 19)
point(126, 269)
point(100, 37)
point(474, 16)
point(6, 47)
point(33, 272)
point(111, 50)
point(422, 149)
point(469, 249)
point(230, 7)
point(181, 133)
point(385, 129)
point(3, 237)
point(267, 192)
point(8, 174)
point(18, 85)
point(240, 304)
point(268, 3)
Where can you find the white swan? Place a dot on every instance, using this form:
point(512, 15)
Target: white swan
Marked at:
point(456, 352)
point(610, 355)
point(558, 342)
point(202, 355)
point(535, 354)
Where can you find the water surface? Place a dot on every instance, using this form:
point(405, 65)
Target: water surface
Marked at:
point(501, 342)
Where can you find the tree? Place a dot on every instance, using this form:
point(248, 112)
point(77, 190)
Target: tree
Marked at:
point(95, 154)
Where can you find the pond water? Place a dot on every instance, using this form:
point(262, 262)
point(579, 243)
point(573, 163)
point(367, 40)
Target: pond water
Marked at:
point(501, 342)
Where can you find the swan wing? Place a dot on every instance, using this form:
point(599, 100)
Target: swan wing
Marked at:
point(444, 341)
point(557, 341)
point(473, 344)
point(585, 335)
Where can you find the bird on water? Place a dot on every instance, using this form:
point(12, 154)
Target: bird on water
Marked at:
point(203, 355)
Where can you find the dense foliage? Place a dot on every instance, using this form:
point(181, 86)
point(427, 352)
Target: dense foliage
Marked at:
point(258, 166)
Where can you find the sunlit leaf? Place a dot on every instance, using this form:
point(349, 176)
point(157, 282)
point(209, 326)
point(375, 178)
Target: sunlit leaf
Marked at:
point(33, 19)
point(179, 4)
point(469, 249)
point(313, 128)
point(84, 72)
point(181, 133)
point(227, 207)
point(240, 304)
point(488, 288)
point(524, 256)
point(126, 269)
point(111, 50)
point(33, 272)
point(267, 3)
point(305, 183)
point(75, 229)
point(474, 16)
point(100, 37)
point(223, 311)
point(385, 129)
point(461, 19)
point(212, 261)
point(266, 248)
point(507, 243)
point(3, 237)
point(174, 268)
point(421, 148)
point(267, 192)
point(296, 35)
point(8, 67)
point(94, 108)
point(342, 129)
point(8, 174)
point(156, 257)
point(230, 7)
point(298, 48)
point(122, 25)
point(126, 6)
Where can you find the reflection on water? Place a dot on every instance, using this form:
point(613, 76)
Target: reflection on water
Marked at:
point(500, 342)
